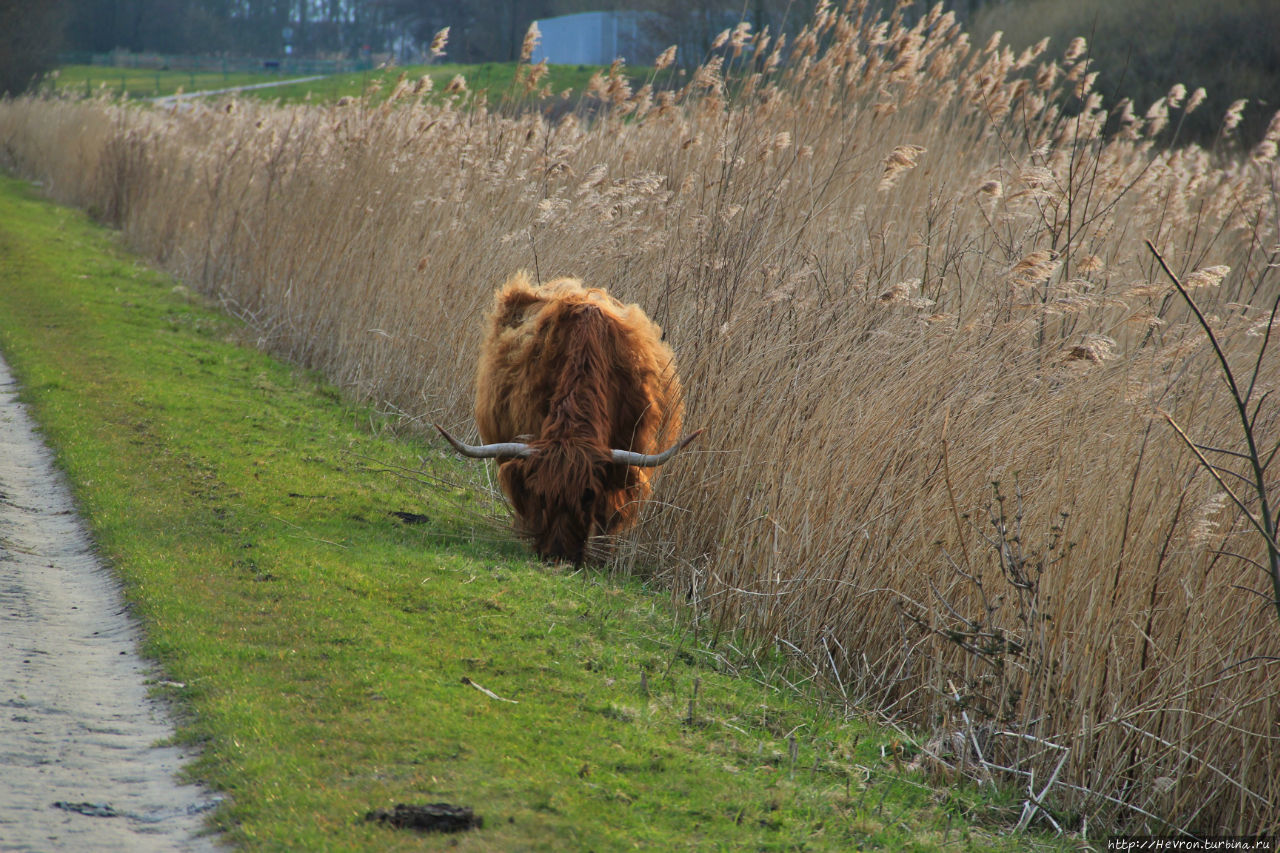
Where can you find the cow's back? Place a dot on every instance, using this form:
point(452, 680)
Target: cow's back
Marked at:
point(525, 348)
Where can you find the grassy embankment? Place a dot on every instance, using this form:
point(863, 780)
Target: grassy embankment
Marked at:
point(88, 80)
point(322, 642)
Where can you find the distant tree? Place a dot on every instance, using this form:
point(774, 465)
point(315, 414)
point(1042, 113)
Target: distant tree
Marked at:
point(91, 26)
point(163, 26)
point(30, 37)
point(1143, 47)
point(479, 30)
point(692, 25)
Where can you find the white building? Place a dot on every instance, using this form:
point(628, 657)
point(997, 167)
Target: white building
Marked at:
point(595, 38)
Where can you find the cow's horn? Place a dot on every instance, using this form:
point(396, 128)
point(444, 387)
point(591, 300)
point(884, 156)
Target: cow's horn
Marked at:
point(652, 460)
point(501, 450)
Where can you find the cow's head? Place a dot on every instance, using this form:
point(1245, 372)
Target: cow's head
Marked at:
point(560, 490)
point(559, 494)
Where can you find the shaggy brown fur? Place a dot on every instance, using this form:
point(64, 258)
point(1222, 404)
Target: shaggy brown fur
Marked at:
point(581, 374)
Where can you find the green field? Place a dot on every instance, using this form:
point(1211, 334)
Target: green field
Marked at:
point(496, 80)
point(149, 83)
point(327, 596)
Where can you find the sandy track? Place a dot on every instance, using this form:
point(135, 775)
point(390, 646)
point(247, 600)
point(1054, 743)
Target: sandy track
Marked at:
point(170, 100)
point(76, 724)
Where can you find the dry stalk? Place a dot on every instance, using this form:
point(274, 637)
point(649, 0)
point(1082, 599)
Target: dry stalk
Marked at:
point(1263, 522)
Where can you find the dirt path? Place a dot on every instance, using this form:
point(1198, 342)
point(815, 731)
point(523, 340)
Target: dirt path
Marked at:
point(170, 100)
point(77, 728)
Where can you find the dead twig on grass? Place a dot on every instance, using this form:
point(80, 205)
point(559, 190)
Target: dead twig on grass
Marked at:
point(486, 691)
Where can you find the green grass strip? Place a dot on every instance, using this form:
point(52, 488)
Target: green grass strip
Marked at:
point(90, 80)
point(326, 653)
point(495, 80)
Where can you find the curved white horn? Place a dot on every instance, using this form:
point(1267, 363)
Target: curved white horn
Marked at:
point(501, 450)
point(652, 460)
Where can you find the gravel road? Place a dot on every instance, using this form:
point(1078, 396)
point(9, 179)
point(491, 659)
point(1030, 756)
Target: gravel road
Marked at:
point(79, 765)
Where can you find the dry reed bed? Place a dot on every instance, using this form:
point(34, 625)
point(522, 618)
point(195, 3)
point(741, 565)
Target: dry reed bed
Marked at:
point(914, 311)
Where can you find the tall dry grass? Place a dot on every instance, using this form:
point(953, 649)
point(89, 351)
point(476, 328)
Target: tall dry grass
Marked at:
point(906, 281)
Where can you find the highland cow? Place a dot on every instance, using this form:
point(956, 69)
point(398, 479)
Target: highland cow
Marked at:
point(574, 394)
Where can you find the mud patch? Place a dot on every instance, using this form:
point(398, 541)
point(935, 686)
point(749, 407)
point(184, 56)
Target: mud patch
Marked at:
point(411, 517)
point(432, 817)
point(77, 728)
point(88, 809)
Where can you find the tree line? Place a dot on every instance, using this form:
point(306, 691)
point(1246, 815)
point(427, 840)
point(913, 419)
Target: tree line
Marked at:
point(480, 30)
point(34, 34)
point(1142, 47)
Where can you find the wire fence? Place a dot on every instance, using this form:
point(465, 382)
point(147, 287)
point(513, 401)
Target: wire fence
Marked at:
point(215, 64)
